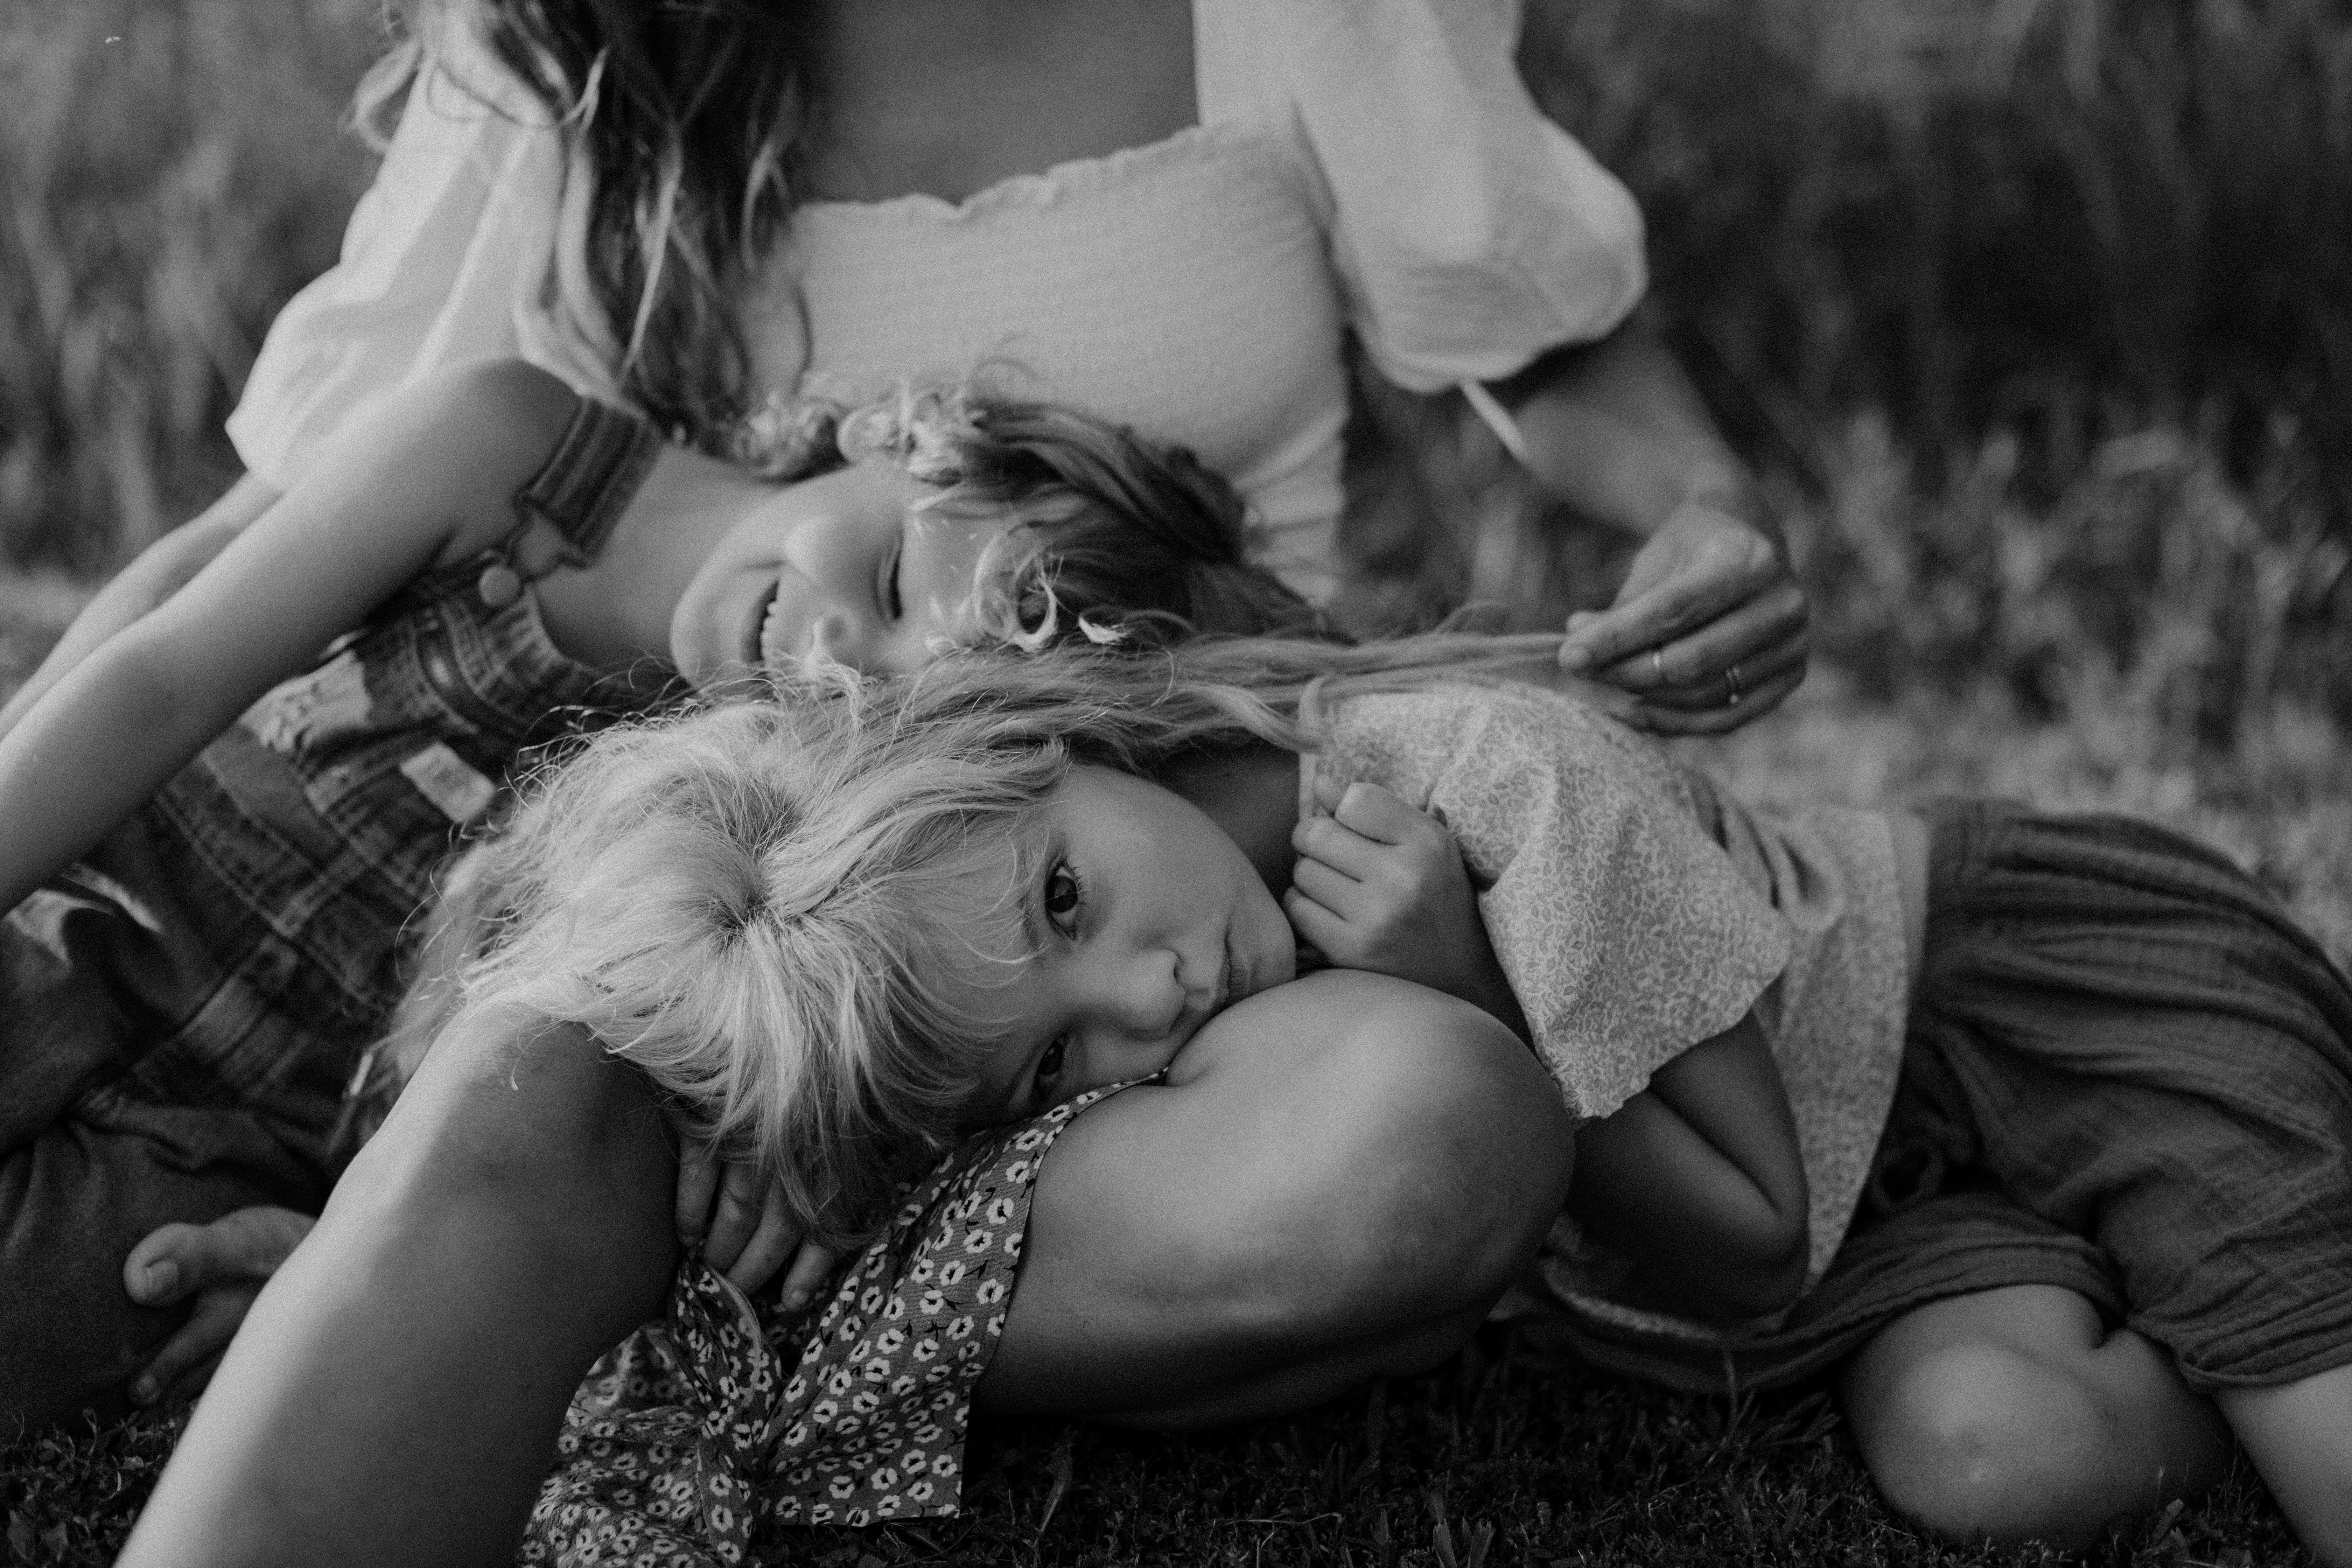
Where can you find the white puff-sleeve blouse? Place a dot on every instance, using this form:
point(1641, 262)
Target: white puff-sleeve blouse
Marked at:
point(1366, 164)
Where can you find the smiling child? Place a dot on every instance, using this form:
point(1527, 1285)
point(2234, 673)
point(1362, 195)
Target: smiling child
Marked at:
point(218, 833)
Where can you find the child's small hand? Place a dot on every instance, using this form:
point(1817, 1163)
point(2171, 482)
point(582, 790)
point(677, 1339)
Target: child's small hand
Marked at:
point(224, 1264)
point(745, 1232)
point(1381, 886)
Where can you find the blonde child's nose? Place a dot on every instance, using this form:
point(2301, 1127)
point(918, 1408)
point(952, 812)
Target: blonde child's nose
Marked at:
point(1151, 998)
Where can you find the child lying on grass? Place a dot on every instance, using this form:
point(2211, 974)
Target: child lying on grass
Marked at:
point(217, 835)
point(864, 918)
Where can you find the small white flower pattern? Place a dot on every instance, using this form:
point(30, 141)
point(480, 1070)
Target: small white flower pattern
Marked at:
point(697, 1435)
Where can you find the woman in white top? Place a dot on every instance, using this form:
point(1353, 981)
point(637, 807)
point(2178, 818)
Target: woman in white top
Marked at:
point(1165, 211)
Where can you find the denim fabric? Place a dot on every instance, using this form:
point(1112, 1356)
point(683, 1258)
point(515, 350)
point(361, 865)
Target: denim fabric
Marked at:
point(2129, 1073)
point(180, 1014)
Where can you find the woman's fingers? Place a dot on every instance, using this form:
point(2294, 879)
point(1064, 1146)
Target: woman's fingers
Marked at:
point(697, 1184)
point(1714, 680)
point(1710, 631)
point(1721, 718)
point(1701, 564)
point(1768, 627)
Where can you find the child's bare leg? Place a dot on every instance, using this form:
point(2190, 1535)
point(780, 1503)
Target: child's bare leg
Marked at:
point(2299, 1436)
point(1342, 1176)
point(396, 1392)
point(2017, 1414)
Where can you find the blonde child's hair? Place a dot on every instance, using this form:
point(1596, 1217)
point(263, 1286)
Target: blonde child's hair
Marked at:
point(775, 910)
point(780, 910)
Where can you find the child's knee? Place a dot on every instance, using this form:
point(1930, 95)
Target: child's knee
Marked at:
point(1986, 1437)
point(1974, 1441)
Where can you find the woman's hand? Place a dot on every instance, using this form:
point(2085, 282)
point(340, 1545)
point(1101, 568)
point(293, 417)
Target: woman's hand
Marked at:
point(742, 1228)
point(1708, 631)
point(223, 1265)
point(1381, 886)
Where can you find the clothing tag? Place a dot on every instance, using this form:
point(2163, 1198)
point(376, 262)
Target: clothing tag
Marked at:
point(446, 780)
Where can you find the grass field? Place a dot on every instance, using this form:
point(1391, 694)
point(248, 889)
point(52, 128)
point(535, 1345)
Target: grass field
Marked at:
point(2037, 315)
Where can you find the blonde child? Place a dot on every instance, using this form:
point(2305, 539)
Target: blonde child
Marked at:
point(866, 918)
point(217, 834)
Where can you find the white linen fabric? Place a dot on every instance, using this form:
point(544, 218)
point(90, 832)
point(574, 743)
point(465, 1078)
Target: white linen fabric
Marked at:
point(1366, 164)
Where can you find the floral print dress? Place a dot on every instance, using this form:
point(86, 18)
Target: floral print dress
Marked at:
point(699, 1436)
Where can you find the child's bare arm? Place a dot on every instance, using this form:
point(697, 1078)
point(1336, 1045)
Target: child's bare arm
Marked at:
point(1698, 1179)
point(1381, 886)
point(161, 569)
point(430, 470)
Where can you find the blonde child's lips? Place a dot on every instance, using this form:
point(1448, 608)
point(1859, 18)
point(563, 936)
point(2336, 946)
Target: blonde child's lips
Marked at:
point(1233, 985)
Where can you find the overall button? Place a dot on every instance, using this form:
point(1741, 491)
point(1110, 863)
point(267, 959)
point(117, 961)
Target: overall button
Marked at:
point(499, 585)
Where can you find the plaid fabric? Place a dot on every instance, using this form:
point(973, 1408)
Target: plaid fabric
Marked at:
point(181, 1011)
point(2128, 1073)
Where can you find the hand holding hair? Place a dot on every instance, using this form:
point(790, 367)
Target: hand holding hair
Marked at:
point(1708, 631)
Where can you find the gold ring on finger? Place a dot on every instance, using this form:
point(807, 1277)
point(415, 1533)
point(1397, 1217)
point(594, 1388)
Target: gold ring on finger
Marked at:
point(1658, 665)
point(1733, 690)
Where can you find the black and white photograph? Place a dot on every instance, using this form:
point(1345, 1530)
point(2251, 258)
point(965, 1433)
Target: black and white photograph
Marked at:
point(1403, 783)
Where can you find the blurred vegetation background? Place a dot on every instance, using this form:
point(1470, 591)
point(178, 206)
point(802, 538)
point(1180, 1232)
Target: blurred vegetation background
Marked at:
point(2036, 313)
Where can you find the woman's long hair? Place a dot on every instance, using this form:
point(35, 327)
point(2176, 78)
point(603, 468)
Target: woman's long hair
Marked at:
point(683, 124)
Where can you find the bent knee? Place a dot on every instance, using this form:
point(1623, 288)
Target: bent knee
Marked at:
point(1439, 1157)
point(1975, 1441)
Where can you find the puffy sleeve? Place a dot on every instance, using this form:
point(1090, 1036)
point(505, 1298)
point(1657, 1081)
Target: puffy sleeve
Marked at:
point(1627, 934)
point(446, 259)
point(1470, 232)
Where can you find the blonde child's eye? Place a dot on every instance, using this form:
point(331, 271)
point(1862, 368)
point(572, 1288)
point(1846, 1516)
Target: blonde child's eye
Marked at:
point(1049, 1069)
point(892, 604)
point(1063, 894)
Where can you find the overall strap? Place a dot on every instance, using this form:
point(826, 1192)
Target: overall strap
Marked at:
point(582, 489)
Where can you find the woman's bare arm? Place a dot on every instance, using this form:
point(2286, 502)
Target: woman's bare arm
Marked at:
point(1698, 1180)
point(1616, 430)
